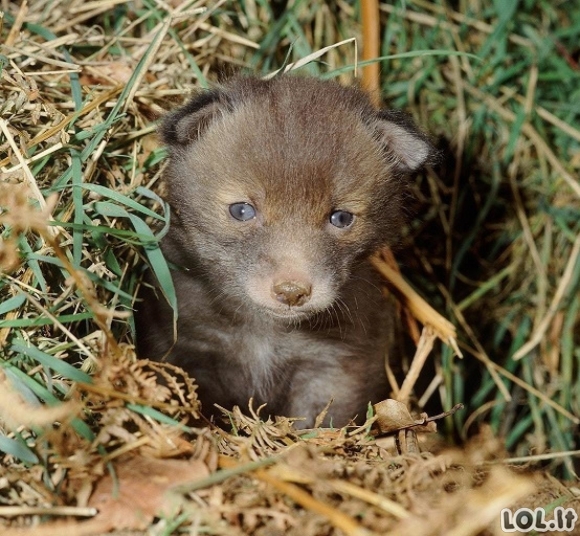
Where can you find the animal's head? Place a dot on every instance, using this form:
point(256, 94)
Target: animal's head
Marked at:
point(279, 186)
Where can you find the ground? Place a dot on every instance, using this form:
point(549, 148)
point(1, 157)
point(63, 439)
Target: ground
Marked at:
point(94, 440)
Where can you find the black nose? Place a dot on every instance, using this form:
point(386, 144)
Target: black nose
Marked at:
point(293, 293)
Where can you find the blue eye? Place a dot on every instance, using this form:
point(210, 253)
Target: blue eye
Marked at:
point(242, 211)
point(341, 219)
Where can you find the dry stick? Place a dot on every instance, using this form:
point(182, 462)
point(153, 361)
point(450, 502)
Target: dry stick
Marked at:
point(228, 36)
point(48, 73)
point(420, 309)
point(407, 317)
point(497, 369)
point(474, 415)
point(13, 511)
point(11, 315)
point(87, 6)
point(70, 528)
point(339, 519)
point(69, 23)
point(310, 57)
point(530, 132)
point(148, 61)
point(127, 447)
point(494, 369)
point(86, 288)
point(370, 48)
point(521, 214)
point(175, 17)
point(21, 282)
point(58, 324)
point(536, 457)
point(117, 395)
point(541, 277)
point(554, 305)
point(62, 124)
point(467, 328)
point(29, 179)
point(101, 99)
point(290, 474)
point(391, 378)
point(16, 412)
point(36, 157)
point(542, 280)
point(48, 47)
point(462, 132)
point(546, 115)
point(431, 21)
point(91, 167)
point(17, 26)
point(424, 348)
point(44, 59)
point(533, 82)
point(436, 381)
point(391, 507)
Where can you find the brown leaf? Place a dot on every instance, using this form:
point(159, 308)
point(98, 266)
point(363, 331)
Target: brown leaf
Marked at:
point(138, 492)
point(392, 416)
point(111, 73)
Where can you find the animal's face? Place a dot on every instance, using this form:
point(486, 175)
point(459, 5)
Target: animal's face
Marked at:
point(279, 187)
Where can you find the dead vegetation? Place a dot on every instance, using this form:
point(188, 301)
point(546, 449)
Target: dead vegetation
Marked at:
point(93, 440)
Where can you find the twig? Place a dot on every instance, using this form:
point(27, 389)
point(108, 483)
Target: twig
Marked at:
point(229, 469)
point(339, 519)
point(17, 26)
point(114, 394)
point(538, 457)
point(28, 177)
point(429, 20)
point(370, 18)
point(530, 132)
point(423, 350)
point(311, 57)
point(555, 305)
point(44, 311)
point(151, 52)
point(420, 309)
point(14, 511)
point(497, 369)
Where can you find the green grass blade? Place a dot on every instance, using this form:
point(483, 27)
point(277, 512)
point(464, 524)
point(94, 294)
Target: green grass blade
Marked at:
point(18, 449)
point(53, 363)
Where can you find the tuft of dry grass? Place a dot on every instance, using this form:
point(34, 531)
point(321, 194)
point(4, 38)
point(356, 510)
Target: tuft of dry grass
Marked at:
point(492, 244)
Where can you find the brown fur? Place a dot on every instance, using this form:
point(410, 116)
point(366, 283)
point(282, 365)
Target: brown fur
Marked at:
point(283, 307)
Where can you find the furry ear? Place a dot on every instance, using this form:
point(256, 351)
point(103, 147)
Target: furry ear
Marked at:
point(406, 146)
point(187, 123)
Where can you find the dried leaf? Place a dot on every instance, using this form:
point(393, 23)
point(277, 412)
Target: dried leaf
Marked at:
point(393, 416)
point(140, 490)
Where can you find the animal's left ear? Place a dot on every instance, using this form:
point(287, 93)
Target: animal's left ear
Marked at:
point(406, 147)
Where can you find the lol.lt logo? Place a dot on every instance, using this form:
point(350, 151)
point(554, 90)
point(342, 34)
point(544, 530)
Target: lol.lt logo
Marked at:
point(526, 520)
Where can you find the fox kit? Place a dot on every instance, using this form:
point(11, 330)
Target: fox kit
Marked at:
point(279, 192)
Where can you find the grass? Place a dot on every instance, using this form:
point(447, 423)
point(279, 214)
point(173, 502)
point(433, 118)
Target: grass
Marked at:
point(492, 241)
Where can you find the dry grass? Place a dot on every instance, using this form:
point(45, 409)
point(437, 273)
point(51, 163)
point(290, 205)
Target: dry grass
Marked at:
point(493, 245)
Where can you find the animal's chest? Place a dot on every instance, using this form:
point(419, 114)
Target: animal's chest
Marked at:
point(264, 366)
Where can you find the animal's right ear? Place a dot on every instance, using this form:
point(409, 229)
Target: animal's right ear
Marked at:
point(186, 124)
point(406, 146)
